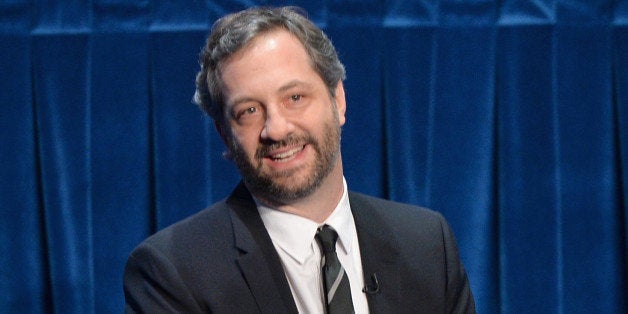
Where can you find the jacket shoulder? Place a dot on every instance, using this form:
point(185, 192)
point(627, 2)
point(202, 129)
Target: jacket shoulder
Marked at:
point(393, 212)
point(209, 224)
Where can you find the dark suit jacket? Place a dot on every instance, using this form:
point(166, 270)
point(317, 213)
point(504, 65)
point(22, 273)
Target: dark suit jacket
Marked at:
point(222, 260)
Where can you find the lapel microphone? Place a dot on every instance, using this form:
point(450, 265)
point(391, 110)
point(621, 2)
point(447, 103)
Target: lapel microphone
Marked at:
point(374, 287)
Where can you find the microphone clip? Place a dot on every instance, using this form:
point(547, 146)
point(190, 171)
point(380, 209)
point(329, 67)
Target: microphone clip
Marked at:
point(372, 288)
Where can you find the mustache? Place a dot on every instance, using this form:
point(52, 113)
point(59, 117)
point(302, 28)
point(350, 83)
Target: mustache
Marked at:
point(267, 146)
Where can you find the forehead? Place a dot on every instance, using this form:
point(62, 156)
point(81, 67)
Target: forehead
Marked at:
point(270, 59)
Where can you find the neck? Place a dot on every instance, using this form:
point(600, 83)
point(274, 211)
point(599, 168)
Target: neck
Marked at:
point(319, 204)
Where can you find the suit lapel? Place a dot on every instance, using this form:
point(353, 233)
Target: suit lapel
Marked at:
point(259, 262)
point(262, 270)
point(379, 255)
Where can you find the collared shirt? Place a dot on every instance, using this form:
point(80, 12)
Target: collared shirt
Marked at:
point(293, 238)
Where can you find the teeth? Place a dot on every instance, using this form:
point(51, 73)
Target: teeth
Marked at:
point(286, 155)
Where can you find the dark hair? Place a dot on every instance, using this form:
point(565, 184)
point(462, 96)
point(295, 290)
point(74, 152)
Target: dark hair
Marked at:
point(234, 31)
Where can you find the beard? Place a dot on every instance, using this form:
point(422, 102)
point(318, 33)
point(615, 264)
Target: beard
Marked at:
point(280, 187)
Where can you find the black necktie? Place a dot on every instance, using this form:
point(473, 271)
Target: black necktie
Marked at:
point(335, 280)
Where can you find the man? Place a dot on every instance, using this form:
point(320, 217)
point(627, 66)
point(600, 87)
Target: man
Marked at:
point(291, 238)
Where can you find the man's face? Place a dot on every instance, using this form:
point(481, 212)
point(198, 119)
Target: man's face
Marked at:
point(282, 127)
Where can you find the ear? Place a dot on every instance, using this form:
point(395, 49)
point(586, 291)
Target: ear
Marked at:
point(341, 104)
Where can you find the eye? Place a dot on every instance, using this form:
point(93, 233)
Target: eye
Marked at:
point(250, 110)
point(295, 98)
point(246, 113)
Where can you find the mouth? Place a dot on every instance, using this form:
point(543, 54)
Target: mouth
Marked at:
point(285, 156)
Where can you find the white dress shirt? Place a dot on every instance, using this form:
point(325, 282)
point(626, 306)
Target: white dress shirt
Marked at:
point(293, 238)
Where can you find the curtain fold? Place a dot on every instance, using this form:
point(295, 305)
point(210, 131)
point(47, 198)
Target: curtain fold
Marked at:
point(508, 117)
point(588, 187)
point(22, 239)
point(121, 155)
point(529, 203)
point(462, 139)
point(620, 71)
point(62, 120)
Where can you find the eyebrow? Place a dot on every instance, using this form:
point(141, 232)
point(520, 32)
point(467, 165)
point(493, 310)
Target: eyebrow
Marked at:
point(239, 101)
point(283, 88)
point(291, 84)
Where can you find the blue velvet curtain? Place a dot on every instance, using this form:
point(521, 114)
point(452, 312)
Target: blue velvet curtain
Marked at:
point(509, 117)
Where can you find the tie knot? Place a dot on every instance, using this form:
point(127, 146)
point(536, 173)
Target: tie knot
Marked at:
point(327, 237)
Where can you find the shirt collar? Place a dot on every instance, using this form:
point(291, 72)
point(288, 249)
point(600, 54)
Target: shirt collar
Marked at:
point(341, 220)
point(295, 234)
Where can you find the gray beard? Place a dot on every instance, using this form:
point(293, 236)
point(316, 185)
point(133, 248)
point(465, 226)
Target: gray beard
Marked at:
point(265, 187)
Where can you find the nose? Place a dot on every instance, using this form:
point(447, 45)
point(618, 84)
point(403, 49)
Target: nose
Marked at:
point(276, 126)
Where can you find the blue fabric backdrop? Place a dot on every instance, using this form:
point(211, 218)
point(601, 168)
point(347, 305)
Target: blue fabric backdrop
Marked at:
point(509, 117)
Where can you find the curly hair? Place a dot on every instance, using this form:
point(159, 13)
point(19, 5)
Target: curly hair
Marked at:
point(233, 32)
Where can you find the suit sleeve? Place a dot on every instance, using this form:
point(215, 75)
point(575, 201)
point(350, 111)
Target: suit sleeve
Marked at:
point(152, 284)
point(458, 292)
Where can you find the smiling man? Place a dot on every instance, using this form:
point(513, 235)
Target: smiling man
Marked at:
point(291, 237)
point(282, 125)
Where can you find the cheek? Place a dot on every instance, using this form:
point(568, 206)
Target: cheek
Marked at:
point(246, 141)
